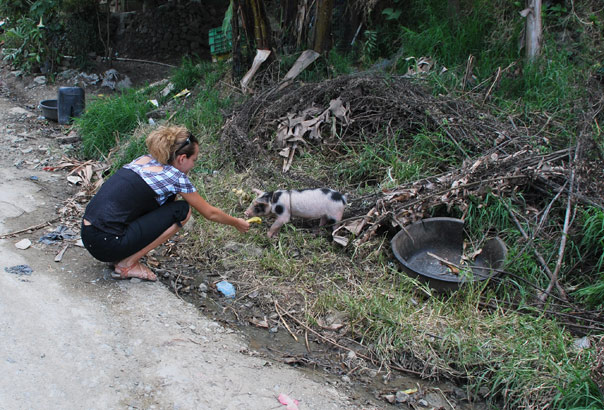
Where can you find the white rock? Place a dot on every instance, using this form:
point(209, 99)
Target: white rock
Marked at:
point(73, 179)
point(23, 244)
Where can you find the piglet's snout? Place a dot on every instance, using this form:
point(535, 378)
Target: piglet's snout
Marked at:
point(249, 212)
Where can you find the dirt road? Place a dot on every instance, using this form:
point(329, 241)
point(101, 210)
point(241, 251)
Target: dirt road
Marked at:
point(73, 338)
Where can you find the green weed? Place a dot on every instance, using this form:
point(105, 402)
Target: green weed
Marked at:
point(339, 63)
point(106, 121)
point(393, 160)
point(131, 148)
point(189, 73)
point(591, 248)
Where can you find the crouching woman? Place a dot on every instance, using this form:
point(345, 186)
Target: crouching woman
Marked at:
point(135, 210)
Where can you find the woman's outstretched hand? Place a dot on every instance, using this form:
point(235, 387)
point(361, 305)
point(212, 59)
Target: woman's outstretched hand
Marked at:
point(242, 225)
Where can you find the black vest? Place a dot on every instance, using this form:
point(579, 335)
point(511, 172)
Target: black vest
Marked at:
point(122, 199)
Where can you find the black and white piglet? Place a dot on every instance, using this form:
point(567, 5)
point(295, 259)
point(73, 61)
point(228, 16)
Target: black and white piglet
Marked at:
point(323, 203)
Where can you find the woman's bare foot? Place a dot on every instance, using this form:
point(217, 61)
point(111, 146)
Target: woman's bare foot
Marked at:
point(136, 270)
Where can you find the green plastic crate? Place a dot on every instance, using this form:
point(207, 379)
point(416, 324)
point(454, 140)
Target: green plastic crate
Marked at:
point(219, 42)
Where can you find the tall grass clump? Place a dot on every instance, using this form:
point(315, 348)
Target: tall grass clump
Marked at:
point(131, 148)
point(205, 116)
point(549, 84)
point(428, 29)
point(106, 121)
point(591, 249)
point(193, 71)
point(387, 160)
point(519, 360)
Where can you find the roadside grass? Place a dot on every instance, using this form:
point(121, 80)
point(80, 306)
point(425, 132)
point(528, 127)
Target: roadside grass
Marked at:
point(109, 120)
point(591, 247)
point(396, 159)
point(471, 335)
point(110, 123)
point(467, 335)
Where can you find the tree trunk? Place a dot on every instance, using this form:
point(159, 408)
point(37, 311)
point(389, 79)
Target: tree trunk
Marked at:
point(237, 68)
point(261, 25)
point(288, 23)
point(322, 42)
point(302, 17)
point(533, 29)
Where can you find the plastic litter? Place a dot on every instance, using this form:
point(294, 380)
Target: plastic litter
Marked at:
point(19, 270)
point(60, 233)
point(226, 288)
point(288, 401)
point(23, 244)
point(71, 103)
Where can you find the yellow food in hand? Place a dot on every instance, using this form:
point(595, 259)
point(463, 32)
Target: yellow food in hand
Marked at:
point(255, 219)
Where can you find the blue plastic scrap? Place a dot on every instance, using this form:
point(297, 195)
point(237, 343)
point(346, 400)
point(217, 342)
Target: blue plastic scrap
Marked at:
point(61, 232)
point(19, 270)
point(226, 288)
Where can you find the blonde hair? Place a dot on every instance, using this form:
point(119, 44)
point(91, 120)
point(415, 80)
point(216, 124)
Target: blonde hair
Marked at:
point(163, 142)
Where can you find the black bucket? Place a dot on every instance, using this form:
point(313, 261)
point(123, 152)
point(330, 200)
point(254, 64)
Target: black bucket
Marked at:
point(71, 103)
point(49, 109)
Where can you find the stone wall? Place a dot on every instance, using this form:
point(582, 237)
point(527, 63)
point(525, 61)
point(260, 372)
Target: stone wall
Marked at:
point(168, 32)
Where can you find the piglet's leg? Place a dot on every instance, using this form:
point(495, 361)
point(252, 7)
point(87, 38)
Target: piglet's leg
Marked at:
point(274, 230)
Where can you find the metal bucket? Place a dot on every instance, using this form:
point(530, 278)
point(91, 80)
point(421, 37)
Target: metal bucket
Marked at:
point(71, 103)
point(416, 246)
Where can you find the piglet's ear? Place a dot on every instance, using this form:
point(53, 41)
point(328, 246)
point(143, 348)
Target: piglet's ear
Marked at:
point(257, 191)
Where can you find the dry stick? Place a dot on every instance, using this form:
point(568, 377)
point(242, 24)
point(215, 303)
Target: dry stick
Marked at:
point(174, 285)
point(135, 60)
point(554, 279)
point(59, 256)
point(495, 82)
point(548, 208)
point(543, 218)
point(31, 228)
point(526, 237)
point(306, 341)
point(284, 322)
point(336, 344)
point(440, 193)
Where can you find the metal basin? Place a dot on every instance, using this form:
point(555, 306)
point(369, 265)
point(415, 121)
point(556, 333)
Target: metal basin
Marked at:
point(424, 247)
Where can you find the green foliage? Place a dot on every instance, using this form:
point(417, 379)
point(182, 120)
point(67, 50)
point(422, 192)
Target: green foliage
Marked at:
point(549, 84)
point(130, 148)
point(580, 392)
point(489, 214)
point(392, 160)
point(13, 9)
point(451, 40)
point(205, 116)
point(591, 248)
point(370, 49)
point(189, 73)
point(339, 63)
point(105, 122)
point(28, 45)
point(40, 32)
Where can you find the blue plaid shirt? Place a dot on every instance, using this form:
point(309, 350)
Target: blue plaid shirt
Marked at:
point(165, 183)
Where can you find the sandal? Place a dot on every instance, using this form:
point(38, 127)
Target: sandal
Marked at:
point(128, 272)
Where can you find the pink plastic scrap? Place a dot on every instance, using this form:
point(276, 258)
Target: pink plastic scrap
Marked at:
point(288, 401)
